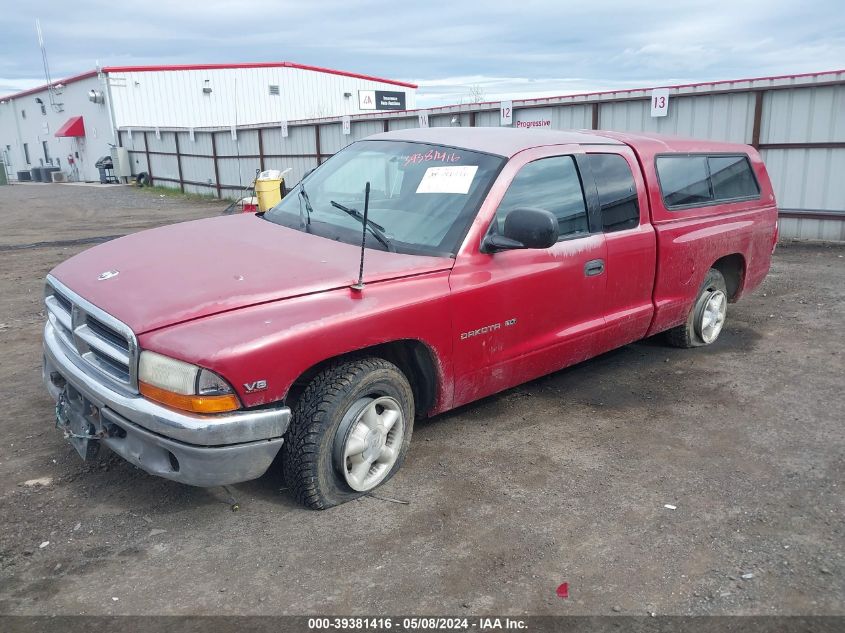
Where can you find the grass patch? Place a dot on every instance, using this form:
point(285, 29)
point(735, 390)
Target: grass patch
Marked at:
point(175, 193)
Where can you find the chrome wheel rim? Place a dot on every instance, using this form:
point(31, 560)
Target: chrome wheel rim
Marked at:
point(371, 444)
point(713, 316)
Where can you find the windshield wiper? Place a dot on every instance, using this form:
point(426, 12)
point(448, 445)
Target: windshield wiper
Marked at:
point(308, 208)
point(376, 229)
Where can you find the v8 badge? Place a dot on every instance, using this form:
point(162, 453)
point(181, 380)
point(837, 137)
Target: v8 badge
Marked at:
point(258, 385)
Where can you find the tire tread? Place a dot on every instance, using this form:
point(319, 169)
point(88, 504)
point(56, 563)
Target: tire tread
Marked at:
point(312, 418)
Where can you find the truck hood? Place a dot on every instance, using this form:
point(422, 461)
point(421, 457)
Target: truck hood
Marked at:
point(195, 269)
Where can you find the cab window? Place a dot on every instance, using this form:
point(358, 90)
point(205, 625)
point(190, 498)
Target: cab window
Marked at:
point(552, 184)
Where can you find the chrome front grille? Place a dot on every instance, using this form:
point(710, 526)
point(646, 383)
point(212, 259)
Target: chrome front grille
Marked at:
point(106, 345)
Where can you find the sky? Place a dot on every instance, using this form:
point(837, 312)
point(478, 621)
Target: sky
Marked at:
point(455, 51)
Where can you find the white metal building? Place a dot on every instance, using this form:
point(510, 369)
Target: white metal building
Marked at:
point(188, 97)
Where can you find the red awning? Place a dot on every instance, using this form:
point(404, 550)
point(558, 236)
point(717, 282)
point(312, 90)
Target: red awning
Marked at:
point(72, 127)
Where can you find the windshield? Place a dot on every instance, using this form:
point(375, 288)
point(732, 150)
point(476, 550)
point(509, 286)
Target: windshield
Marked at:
point(422, 197)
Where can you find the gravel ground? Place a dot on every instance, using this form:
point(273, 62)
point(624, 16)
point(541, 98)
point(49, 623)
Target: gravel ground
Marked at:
point(562, 480)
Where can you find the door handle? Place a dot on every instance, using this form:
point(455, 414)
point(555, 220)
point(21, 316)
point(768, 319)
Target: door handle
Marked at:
point(594, 267)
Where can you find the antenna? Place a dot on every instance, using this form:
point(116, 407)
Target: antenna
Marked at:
point(58, 107)
point(360, 285)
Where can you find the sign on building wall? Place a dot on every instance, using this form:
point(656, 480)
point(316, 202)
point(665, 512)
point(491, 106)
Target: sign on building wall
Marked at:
point(660, 102)
point(284, 126)
point(347, 125)
point(506, 113)
point(380, 100)
point(529, 118)
point(423, 119)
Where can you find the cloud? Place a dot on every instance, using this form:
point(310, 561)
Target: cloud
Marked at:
point(530, 48)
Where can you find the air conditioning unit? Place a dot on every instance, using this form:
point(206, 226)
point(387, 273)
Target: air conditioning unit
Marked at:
point(122, 166)
point(59, 176)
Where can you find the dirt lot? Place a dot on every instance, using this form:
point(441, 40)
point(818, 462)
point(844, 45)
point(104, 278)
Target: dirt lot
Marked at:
point(564, 479)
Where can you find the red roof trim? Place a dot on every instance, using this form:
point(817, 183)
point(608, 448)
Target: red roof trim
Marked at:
point(93, 73)
point(141, 69)
point(69, 80)
point(318, 69)
point(74, 126)
point(692, 85)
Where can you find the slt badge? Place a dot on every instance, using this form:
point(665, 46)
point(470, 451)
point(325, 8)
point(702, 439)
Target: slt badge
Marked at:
point(108, 275)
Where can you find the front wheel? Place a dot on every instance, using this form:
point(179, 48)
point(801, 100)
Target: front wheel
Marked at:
point(350, 431)
point(707, 317)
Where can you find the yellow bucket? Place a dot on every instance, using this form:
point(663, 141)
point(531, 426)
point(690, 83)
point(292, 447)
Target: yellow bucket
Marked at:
point(268, 191)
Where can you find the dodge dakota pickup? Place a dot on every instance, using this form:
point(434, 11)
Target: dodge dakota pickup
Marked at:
point(413, 272)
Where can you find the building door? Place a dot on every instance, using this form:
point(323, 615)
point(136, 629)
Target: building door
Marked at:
point(7, 160)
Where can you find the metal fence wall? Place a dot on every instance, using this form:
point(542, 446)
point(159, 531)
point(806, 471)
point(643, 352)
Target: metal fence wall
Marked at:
point(797, 122)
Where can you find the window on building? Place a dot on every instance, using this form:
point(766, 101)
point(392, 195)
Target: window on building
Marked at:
point(43, 109)
point(26, 153)
point(274, 90)
point(695, 180)
point(23, 114)
point(47, 159)
point(552, 184)
point(620, 209)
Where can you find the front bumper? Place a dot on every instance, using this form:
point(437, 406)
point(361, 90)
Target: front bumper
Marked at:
point(199, 450)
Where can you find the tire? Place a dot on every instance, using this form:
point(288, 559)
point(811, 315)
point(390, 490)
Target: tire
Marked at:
point(696, 332)
point(346, 406)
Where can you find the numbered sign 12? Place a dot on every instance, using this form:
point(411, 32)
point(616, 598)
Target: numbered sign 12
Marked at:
point(506, 112)
point(660, 102)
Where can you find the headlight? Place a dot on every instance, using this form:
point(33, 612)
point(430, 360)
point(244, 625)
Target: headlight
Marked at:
point(184, 386)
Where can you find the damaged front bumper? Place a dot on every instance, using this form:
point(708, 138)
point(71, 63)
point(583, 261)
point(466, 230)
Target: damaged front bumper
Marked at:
point(199, 450)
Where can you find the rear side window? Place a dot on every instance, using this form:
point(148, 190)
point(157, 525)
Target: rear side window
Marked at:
point(696, 180)
point(732, 177)
point(552, 184)
point(620, 209)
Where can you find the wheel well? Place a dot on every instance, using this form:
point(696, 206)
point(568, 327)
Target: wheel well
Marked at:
point(732, 268)
point(412, 357)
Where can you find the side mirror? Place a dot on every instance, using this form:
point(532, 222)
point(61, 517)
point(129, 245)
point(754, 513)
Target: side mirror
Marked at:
point(526, 227)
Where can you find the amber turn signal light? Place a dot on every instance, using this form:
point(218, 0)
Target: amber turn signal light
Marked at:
point(195, 404)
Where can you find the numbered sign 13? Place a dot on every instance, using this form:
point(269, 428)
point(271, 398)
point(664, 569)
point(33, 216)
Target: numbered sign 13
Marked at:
point(660, 102)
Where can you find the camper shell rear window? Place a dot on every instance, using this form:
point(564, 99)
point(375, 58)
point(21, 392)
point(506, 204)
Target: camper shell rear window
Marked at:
point(699, 180)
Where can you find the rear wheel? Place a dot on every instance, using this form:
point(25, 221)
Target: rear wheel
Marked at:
point(707, 317)
point(349, 434)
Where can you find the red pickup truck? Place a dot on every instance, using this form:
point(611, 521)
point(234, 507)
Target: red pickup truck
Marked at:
point(202, 350)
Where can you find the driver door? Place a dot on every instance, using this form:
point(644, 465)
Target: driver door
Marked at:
point(521, 314)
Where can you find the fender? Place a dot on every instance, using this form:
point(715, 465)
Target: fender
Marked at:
point(277, 342)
